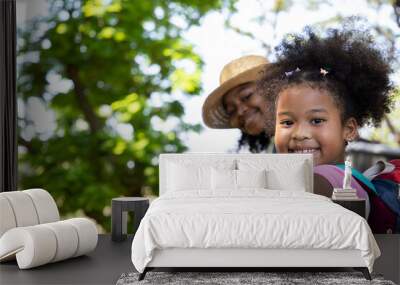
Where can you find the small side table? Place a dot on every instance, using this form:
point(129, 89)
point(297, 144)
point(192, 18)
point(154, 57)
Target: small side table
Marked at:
point(356, 205)
point(119, 208)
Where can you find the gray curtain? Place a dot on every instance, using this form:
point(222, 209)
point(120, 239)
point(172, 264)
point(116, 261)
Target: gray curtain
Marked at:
point(8, 100)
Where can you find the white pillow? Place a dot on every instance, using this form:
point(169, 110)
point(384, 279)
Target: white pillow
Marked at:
point(227, 179)
point(251, 178)
point(188, 177)
point(295, 181)
point(284, 172)
point(223, 179)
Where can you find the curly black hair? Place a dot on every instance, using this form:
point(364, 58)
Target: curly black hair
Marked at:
point(345, 62)
point(256, 144)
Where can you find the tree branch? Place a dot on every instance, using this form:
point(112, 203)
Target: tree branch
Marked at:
point(83, 102)
point(396, 8)
point(391, 38)
point(392, 129)
point(26, 144)
point(238, 30)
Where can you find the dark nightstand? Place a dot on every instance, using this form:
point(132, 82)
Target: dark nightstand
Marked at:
point(119, 208)
point(356, 205)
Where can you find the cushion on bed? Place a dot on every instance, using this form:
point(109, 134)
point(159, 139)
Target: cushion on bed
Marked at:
point(295, 181)
point(223, 179)
point(186, 177)
point(282, 174)
point(251, 178)
point(191, 174)
point(231, 180)
point(194, 172)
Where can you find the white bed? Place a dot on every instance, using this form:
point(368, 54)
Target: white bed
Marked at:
point(240, 210)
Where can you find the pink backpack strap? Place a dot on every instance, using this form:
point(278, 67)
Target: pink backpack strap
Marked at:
point(335, 177)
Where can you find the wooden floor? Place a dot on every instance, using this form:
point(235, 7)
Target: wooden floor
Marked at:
point(110, 259)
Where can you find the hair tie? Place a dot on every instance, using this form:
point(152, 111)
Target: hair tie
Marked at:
point(290, 73)
point(324, 72)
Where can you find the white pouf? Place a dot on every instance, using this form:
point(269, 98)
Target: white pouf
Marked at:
point(31, 232)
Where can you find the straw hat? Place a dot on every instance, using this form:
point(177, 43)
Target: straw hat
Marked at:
point(239, 71)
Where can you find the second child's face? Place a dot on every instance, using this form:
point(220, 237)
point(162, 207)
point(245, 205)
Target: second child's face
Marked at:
point(309, 121)
point(247, 110)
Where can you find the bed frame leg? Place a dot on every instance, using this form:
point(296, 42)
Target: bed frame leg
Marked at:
point(143, 274)
point(364, 271)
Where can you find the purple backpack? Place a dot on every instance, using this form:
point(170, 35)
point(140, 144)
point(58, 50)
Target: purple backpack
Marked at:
point(381, 218)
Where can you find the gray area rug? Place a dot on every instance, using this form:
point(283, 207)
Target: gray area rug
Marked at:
point(273, 278)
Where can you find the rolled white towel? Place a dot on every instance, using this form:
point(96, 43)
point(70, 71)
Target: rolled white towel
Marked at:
point(66, 238)
point(87, 235)
point(7, 218)
point(33, 246)
point(45, 205)
point(40, 244)
point(26, 208)
point(23, 208)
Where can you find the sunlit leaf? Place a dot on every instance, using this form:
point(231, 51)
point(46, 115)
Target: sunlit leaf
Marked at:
point(93, 8)
point(119, 148)
point(106, 33)
point(62, 28)
point(114, 7)
point(187, 82)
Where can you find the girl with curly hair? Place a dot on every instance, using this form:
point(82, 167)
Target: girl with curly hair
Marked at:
point(322, 90)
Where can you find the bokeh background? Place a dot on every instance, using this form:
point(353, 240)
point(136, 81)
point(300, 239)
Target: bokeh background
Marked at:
point(105, 86)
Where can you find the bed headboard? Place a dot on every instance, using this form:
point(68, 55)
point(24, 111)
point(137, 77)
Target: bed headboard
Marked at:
point(286, 166)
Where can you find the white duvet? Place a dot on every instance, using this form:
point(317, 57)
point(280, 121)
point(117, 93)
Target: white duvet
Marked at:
point(250, 219)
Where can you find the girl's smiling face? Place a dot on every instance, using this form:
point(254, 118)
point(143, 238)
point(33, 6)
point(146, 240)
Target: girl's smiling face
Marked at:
point(308, 120)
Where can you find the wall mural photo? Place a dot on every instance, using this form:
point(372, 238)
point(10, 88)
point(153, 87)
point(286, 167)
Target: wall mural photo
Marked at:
point(105, 86)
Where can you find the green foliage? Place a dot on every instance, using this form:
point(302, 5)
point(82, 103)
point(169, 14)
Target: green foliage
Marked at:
point(383, 133)
point(123, 60)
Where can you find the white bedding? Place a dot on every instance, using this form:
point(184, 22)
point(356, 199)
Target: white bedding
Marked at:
point(252, 218)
